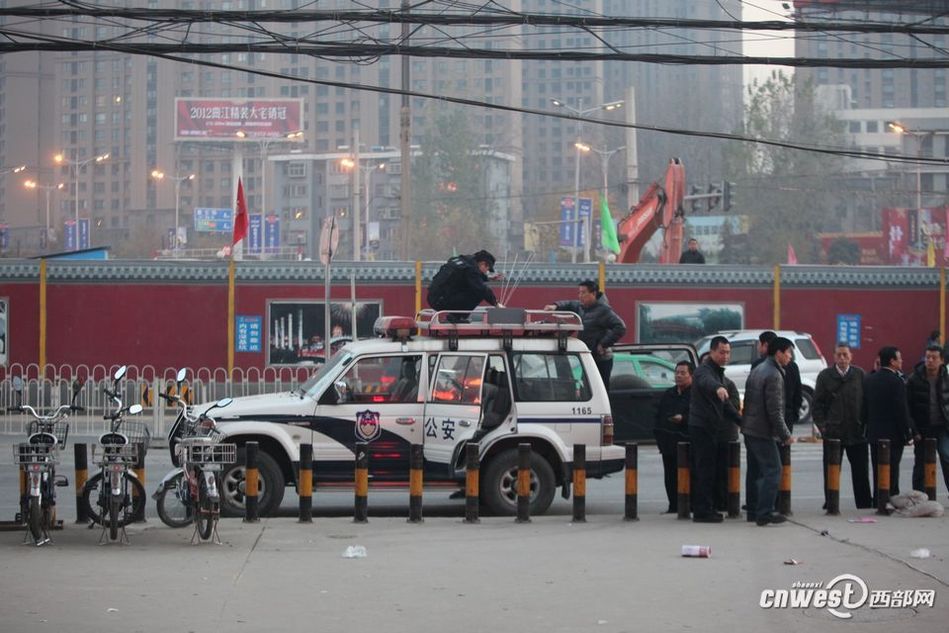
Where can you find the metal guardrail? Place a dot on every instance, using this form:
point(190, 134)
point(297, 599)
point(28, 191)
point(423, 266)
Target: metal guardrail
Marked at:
point(47, 388)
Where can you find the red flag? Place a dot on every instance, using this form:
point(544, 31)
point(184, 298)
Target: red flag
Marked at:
point(792, 256)
point(240, 218)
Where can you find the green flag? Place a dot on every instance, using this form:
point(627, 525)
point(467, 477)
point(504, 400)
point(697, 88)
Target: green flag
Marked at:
point(607, 227)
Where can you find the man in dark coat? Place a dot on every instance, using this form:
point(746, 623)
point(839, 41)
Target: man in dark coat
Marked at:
point(725, 434)
point(928, 394)
point(887, 414)
point(672, 419)
point(692, 255)
point(764, 428)
point(706, 415)
point(838, 397)
point(460, 283)
point(602, 327)
point(793, 391)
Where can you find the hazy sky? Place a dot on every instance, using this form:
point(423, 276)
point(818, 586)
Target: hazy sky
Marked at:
point(778, 43)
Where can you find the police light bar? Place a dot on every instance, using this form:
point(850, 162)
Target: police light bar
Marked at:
point(395, 327)
point(507, 322)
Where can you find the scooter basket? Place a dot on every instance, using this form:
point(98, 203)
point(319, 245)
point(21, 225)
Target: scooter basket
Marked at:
point(35, 454)
point(136, 431)
point(115, 453)
point(59, 428)
point(201, 451)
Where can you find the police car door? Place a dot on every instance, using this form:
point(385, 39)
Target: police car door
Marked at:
point(378, 402)
point(452, 409)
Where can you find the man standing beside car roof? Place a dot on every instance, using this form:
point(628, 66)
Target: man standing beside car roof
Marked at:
point(706, 416)
point(602, 327)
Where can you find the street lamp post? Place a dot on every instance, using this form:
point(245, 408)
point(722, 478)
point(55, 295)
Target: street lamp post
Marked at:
point(291, 137)
point(32, 184)
point(77, 165)
point(178, 179)
point(605, 156)
point(918, 135)
point(579, 113)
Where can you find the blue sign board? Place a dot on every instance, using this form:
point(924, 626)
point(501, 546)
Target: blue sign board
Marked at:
point(848, 329)
point(255, 232)
point(69, 233)
point(83, 233)
point(568, 219)
point(272, 232)
point(248, 333)
point(214, 220)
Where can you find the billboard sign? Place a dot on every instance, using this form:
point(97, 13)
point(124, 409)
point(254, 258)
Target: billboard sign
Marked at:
point(221, 119)
point(255, 230)
point(214, 220)
point(568, 220)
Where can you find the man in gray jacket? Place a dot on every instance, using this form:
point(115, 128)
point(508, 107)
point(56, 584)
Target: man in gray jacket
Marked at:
point(763, 426)
point(602, 327)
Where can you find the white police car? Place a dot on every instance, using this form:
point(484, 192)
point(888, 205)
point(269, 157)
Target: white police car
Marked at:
point(498, 377)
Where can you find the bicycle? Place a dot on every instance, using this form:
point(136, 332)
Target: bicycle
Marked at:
point(38, 458)
point(114, 497)
point(190, 493)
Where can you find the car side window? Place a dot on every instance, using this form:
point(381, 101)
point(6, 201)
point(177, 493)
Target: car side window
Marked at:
point(550, 378)
point(744, 352)
point(381, 379)
point(458, 379)
point(806, 348)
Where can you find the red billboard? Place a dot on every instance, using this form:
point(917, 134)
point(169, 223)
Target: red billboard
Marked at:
point(219, 119)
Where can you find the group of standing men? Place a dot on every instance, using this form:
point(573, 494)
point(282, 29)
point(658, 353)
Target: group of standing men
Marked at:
point(859, 410)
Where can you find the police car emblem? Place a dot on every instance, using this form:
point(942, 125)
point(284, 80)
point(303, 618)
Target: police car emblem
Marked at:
point(367, 425)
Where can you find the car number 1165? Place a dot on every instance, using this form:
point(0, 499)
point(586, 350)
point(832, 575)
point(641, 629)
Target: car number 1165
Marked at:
point(581, 410)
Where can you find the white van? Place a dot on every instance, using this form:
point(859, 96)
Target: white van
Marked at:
point(499, 377)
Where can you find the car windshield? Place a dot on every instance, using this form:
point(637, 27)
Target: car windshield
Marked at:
point(317, 383)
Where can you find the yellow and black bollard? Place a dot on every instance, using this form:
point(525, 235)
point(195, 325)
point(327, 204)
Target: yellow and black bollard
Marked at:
point(883, 475)
point(140, 474)
point(733, 499)
point(833, 459)
point(361, 512)
point(684, 485)
point(784, 489)
point(524, 483)
point(416, 462)
point(81, 455)
point(305, 483)
point(472, 474)
point(631, 512)
point(579, 483)
point(929, 467)
point(251, 475)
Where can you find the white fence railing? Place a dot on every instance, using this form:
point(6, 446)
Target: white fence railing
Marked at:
point(52, 386)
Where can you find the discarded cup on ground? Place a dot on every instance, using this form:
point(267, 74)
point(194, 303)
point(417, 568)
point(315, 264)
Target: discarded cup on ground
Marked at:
point(355, 551)
point(697, 551)
point(922, 552)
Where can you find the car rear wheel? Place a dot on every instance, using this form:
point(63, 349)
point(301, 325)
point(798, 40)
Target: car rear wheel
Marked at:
point(270, 486)
point(499, 484)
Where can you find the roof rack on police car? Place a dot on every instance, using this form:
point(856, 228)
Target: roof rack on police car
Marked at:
point(506, 323)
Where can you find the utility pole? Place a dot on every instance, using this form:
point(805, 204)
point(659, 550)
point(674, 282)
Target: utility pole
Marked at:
point(405, 138)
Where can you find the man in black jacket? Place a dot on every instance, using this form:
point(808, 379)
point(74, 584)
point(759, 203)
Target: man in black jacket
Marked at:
point(693, 255)
point(602, 327)
point(887, 414)
point(672, 419)
point(838, 397)
point(460, 284)
point(706, 415)
point(928, 394)
point(793, 391)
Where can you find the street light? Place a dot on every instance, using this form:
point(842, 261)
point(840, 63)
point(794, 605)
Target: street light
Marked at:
point(77, 165)
point(579, 113)
point(918, 135)
point(32, 184)
point(12, 170)
point(265, 143)
point(605, 156)
point(178, 179)
point(367, 170)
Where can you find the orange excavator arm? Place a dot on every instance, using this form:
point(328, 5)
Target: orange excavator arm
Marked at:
point(659, 208)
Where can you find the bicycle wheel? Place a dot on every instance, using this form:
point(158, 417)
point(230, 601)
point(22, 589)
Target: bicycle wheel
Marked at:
point(174, 510)
point(206, 511)
point(115, 509)
point(96, 497)
point(35, 519)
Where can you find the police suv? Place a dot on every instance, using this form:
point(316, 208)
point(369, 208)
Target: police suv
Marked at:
point(496, 377)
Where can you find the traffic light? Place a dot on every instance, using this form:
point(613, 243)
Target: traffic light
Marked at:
point(695, 204)
point(727, 195)
point(714, 195)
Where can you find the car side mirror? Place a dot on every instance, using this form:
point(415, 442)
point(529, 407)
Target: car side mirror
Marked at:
point(336, 394)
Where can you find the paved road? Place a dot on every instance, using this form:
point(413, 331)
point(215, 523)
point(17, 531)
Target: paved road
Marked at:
point(606, 575)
